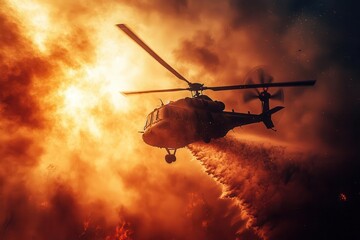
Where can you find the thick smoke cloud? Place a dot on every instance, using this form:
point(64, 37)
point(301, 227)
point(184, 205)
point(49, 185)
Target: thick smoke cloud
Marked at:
point(25, 83)
point(325, 34)
point(74, 167)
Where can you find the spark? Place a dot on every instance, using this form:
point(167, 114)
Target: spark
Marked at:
point(342, 197)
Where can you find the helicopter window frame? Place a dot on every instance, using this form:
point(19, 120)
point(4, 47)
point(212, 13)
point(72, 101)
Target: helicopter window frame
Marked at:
point(151, 118)
point(157, 115)
point(146, 123)
point(148, 120)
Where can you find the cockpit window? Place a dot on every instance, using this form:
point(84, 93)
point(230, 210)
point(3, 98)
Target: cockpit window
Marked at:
point(157, 114)
point(165, 113)
point(146, 123)
point(152, 117)
point(148, 120)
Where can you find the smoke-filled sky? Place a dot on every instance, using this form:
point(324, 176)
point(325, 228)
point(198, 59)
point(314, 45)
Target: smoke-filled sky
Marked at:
point(73, 165)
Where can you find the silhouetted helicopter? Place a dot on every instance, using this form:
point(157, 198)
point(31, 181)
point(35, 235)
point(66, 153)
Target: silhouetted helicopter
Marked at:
point(187, 120)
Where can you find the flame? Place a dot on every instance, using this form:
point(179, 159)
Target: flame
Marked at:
point(122, 232)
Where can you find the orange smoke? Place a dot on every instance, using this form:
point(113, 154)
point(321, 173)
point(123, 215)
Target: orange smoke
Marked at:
point(73, 165)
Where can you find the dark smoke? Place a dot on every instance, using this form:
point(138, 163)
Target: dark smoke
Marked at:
point(291, 194)
point(307, 40)
point(326, 36)
point(19, 65)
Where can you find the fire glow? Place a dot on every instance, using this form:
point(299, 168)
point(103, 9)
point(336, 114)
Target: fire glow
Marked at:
point(73, 164)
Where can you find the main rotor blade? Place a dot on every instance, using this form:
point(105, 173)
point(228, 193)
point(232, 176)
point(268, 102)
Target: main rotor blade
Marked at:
point(134, 37)
point(270, 79)
point(250, 81)
point(278, 95)
point(262, 85)
point(261, 74)
point(248, 96)
point(155, 91)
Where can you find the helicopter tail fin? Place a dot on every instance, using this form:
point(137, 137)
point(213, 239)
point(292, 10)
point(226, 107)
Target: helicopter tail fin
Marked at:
point(266, 116)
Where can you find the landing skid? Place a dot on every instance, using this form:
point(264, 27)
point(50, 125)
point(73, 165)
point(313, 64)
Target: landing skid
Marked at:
point(170, 157)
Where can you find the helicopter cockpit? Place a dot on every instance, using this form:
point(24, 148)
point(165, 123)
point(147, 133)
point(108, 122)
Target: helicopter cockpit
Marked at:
point(171, 112)
point(155, 116)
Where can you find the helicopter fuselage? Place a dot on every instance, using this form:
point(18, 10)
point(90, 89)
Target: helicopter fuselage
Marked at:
point(189, 120)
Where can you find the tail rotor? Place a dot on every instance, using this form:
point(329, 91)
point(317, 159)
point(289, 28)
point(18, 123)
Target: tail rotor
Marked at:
point(262, 76)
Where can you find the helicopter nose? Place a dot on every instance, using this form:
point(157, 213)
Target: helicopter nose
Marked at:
point(151, 137)
point(147, 136)
point(157, 135)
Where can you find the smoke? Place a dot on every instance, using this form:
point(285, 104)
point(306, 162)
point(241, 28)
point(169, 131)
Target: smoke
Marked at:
point(296, 41)
point(74, 167)
point(284, 192)
point(72, 163)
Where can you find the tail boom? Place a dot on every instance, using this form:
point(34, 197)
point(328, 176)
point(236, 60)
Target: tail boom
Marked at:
point(266, 116)
point(240, 119)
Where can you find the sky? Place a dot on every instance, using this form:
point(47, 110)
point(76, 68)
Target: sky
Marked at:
point(73, 165)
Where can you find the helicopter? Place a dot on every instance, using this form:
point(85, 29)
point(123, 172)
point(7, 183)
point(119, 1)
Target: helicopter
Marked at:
point(199, 118)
